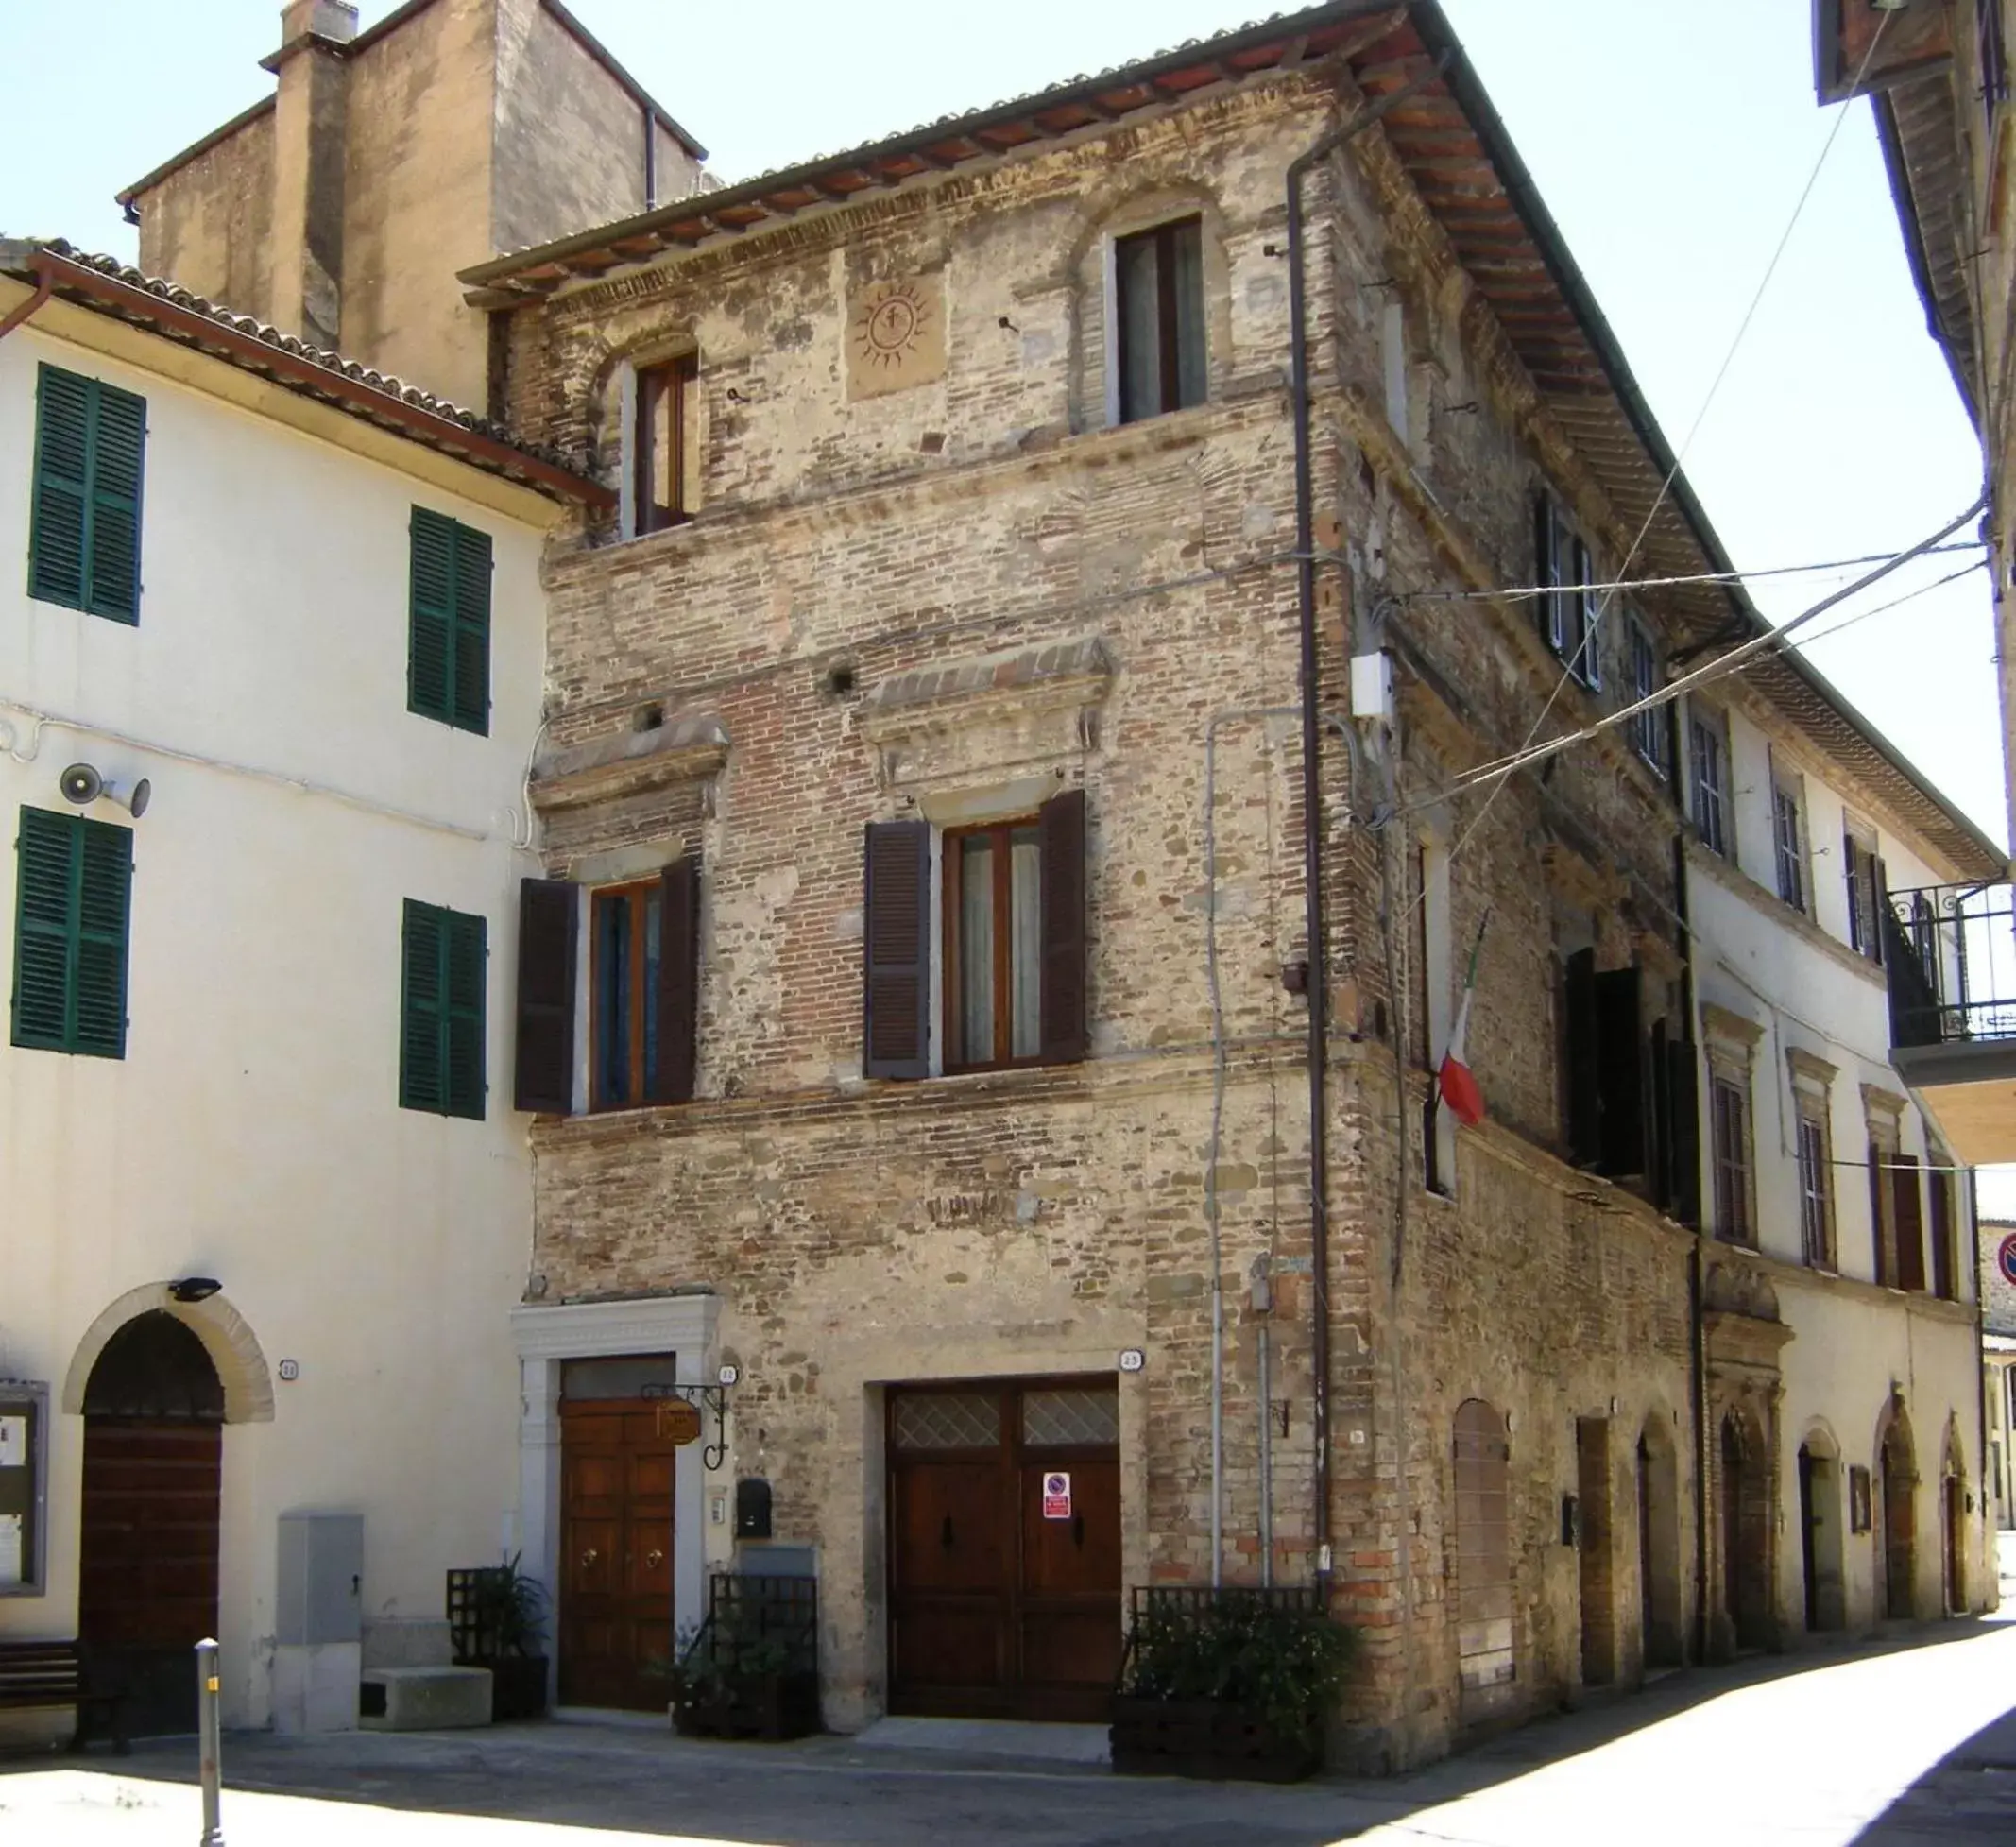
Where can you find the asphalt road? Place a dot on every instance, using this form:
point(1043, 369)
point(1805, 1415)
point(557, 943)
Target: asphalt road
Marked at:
point(1899, 1746)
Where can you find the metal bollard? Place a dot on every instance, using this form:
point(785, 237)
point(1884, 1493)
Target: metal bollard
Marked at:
point(206, 1706)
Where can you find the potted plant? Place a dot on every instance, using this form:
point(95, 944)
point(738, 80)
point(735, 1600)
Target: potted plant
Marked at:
point(497, 1617)
point(751, 1670)
point(1228, 1683)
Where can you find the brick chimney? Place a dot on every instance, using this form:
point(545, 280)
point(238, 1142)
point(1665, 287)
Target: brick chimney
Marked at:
point(310, 135)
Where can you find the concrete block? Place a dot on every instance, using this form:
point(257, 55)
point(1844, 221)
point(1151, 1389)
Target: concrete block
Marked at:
point(424, 1699)
point(409, 1642)
point(314, 1689)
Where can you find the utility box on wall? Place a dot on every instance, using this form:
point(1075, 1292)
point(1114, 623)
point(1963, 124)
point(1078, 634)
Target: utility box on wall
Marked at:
point(318, 1622)
point(24, 1486)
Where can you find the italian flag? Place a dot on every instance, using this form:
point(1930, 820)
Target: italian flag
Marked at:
point(1456, 1081)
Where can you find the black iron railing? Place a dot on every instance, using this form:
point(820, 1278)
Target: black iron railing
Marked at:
point(1154, 1608)
point(758, 1625)
point(1951, 955)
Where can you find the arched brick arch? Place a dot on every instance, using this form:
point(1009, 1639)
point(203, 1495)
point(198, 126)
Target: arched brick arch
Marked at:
point(227, 1336)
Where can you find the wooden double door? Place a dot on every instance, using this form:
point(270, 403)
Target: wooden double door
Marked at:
point(616, 1616)
point(1004, 1548)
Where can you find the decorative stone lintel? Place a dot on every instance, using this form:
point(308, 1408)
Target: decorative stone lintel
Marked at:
point(1731, 1027)
point(1053, 675)
point(686, 750)
point(1573, 878)
point(1881, 1104)
point(1658, 957)
point(1811, 1067)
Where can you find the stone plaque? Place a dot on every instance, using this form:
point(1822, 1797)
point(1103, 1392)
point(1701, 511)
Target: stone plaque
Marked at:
point(894, 337)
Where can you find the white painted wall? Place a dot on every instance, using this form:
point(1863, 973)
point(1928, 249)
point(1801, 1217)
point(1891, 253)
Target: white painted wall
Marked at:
point(1853, 1341)
point(252, 1131)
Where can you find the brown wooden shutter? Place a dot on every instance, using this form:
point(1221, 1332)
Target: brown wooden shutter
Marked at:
point(1582, 1048)
point(549, 916)
point(1944, 1268)
point(896, 939)
point(1620, 1075)
point(1684, 1078)
point(1910, 1223)
point(1065, 1035)
point(678, 1046)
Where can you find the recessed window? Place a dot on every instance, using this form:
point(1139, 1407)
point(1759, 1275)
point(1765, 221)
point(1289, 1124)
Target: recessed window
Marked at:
point(84, 517)
point(665, 447)
point(1569, 609)
point(1708, 751)
point(441, 1060)
point(73, 893)
point(993, 946)
point(448, 623)
point(1866, 892)
point(1995, 57)
point(1788, 836)
point(1648, 734)
point(626, 933)
point(1158, 275)
point(1729, 1124)
point(1815, 1184)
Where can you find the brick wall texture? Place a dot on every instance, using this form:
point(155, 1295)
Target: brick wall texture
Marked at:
point(1039, 1221)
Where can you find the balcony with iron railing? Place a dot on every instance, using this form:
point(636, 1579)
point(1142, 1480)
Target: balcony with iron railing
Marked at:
point(1950, 954)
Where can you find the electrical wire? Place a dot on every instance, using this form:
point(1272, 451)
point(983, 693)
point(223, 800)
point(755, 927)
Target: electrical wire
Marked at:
point(1665, 487)
point(1518, 593)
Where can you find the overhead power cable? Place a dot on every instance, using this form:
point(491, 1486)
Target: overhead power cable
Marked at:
point(1522, 592)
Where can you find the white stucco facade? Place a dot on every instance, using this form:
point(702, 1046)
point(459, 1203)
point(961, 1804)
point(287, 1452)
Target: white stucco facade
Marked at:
point(1782, 995)
point(252, 1131)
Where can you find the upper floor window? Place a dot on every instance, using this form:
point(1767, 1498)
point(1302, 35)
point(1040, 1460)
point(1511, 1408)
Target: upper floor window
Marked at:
point(73, 893)
point(1815, 1186)
point(444, 958)
point(1866, 891)
point(1729, 1126)
point(84, 523)
point(1158, 281)
point(665, 443)
point(1995, 57)
point(1568, 611)
point(1788, 838)
point(448, 637)
point(1708, 753)
point(1007, 942)
point(1648, 733)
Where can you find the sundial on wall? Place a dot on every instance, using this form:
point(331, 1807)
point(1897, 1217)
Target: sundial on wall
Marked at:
point(895, 336)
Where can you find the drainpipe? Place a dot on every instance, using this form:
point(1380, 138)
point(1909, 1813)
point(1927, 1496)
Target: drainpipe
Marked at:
point(44, 286)
point(1298, 170)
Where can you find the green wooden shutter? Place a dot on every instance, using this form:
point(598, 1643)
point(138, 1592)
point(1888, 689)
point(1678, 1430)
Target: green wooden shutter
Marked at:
point(471, 707)
point(431, 620)
point(441, 1063)
point(84, 527)
point(422, 1082)
point(59, 523)
point(119, 434)
point(465, 956)
point(74, 892)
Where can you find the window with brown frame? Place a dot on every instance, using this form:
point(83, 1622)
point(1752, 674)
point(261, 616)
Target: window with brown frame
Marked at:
point(1729, 1124)
point(1945, 1251)
point(993, 922)
point(1815, 1184)
point(625, 931)
point(665, 443)
point(1158, 276)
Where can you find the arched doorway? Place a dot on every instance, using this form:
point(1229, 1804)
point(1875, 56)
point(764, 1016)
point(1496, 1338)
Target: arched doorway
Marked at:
point(1897, 1469)
point(1745, 1535)
point(1483, 1558)
point(1819, 1531)
point(1659, 1615)
point(147, 1574)
point(1952, 1522)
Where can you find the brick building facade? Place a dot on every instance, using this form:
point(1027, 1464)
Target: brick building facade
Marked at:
point(949, 623)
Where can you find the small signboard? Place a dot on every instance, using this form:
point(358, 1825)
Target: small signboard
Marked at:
point(678, 1422)
point(2005, 1257)
point(1056, 1495)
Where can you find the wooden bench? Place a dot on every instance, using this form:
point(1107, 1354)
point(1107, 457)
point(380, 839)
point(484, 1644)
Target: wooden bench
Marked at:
point(61, 1674)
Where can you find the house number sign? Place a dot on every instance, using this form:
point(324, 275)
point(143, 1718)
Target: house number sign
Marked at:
point(1057, 1495)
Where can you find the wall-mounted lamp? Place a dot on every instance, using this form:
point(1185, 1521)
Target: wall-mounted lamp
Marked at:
point(194, 1288)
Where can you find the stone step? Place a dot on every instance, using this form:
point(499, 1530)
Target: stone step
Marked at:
point(424, 1699)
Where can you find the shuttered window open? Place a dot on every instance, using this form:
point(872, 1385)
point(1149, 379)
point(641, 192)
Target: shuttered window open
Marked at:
point(73, 901)
point(678, 977)
point(84, 526)
point(1910, 1220)
point(549, 929)
point(448, 650)
point(1067, 1036)
point(443, 956)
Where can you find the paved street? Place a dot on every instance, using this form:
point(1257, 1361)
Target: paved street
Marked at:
point(1891, 1748)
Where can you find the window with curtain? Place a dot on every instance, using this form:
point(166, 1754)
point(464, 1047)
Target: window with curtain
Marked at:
point(1708, 747)
point(993, 946)
point(1788, 834)
point(625, 936)
point(1815, 1186)
point(1158, 275)
point(1729, 1124)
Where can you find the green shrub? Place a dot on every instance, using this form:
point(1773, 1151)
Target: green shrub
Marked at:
point(1284, 1666)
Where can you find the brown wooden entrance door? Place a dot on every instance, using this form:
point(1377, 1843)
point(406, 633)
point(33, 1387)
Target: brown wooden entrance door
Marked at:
point(1004, 1601)
point(616, 1616)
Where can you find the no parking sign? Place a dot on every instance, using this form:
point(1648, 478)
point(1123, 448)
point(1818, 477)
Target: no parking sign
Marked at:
point(1057, 1489)
point(2005, 1257)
